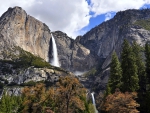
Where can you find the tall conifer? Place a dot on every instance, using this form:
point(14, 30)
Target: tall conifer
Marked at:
point(115, 75)
point(129, 69)
point(147, 55)
point(140, 66)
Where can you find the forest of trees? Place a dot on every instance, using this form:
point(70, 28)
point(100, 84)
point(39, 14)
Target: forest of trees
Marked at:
point(67, 96)
point(128, 88)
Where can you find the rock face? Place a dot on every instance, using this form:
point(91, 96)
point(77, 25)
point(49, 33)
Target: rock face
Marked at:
point(72, 55)
point(21, 75)
point(19, 29)
point(108, 37)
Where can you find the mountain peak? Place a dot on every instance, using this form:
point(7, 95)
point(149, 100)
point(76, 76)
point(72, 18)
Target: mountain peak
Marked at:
point(15, 8)
point(20, 29)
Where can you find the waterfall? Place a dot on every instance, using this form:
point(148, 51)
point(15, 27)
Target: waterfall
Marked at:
point(1, 94)
point(55, 61)
point(93, 99)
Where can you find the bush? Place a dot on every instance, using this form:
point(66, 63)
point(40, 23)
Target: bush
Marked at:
point(143, 23)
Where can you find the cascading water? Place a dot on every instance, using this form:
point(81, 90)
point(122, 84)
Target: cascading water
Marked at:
point(93, 99)
point(54, 61)
point(1, 94)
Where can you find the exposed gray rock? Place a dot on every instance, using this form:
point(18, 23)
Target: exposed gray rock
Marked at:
point(14, 90)
point(19, 29)
point(109, 36)
point(72, 55)
point(20, 76)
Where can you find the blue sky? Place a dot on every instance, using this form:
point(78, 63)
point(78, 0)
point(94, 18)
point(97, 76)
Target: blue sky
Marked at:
point(94, 21)
point(74, 17)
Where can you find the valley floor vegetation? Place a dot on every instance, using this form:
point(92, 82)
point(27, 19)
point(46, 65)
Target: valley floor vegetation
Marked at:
point(67, 96)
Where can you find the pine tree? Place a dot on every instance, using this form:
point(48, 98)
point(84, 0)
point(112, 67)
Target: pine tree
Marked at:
point(129, 69)
point(3, 104)
point(10, 103)
point(146, 103)
point(141, 74)
point(115, 75)
point(147, 55)
point(140, 66)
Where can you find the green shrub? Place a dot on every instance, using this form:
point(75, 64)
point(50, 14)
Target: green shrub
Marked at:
point(30, 83)
point(143, 23)
point(26, 59)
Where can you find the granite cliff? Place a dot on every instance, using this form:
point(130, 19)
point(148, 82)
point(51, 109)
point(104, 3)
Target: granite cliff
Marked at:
point(107, 37)
point(19, 29)
point(72, 55)
point(26, 50)
point(21, 35)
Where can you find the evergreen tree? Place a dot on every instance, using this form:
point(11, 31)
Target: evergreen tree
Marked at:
point(145, 103)
point(129, 69)
point(10, 104)
point(140, 66)
point(3, 104)
point(115, 75)
point(147, 55)
point(142, 76)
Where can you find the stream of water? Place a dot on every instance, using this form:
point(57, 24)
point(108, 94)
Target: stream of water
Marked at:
point(55, 60)
point(93, 99)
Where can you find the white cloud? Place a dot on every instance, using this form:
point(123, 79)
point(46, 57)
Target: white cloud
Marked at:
point(70, 16)
point(107, 16)
point(66, 15)
point(5, 4)
point(105, 6)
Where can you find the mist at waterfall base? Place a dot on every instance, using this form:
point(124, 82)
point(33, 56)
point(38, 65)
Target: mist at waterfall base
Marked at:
point(93, 100)
point(54, 61)
point(78, 73)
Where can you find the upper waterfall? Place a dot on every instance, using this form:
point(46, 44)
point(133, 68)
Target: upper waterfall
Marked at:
point(55, 60)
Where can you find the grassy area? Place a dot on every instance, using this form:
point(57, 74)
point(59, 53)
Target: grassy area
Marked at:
point(143, 23)
point(26, 59)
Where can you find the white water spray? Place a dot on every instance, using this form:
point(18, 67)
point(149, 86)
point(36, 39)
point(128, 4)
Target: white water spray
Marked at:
point(93, 99)
point(55, 61)
point(1, 94)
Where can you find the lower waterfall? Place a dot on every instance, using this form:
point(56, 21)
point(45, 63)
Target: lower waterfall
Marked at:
point(93, 100)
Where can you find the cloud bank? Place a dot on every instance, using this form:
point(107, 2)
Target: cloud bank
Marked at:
point(104, 6)
point(71, 16)
point(66, 15)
